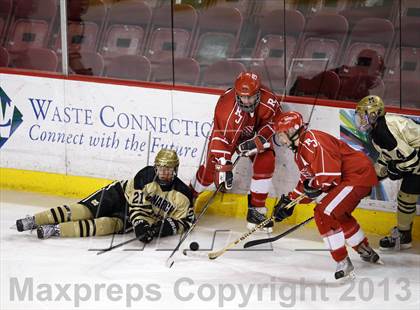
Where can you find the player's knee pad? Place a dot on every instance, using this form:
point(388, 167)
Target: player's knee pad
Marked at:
point(324, 222)
point(78, 211)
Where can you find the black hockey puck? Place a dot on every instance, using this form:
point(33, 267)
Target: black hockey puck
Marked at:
point(194, 246)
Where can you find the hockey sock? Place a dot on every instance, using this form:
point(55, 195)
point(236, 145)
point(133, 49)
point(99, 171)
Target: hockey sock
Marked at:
point(62, 214)
point(406, 210)
point(95, 227)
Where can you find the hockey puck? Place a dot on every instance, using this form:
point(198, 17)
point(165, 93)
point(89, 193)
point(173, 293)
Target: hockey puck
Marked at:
point(194, 246)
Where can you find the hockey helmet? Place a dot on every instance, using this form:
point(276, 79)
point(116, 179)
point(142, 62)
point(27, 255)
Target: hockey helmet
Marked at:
point(368, 110)
point(291, 124)
point(247, 91)
point(166, 166)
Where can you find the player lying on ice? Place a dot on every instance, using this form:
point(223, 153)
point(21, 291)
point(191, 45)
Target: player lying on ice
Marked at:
point(328, 165)
point(397, 140)
point(155, 202)
point(243, 120)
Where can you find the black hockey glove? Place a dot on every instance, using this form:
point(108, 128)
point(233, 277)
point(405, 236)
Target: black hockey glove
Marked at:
point(309, 191)
point(393, 172)
point(168, 227)
point(253, 146)
point(280, 212)
point(144, 232)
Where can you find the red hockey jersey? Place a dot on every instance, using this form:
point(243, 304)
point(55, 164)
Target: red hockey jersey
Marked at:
point(231, 125)
point(327, 162)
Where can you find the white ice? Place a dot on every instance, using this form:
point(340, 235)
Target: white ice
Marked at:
point(67, 274)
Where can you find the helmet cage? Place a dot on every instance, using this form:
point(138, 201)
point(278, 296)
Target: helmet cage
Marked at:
point(248, 108)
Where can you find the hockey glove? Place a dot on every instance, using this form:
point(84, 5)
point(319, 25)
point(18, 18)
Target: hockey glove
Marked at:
point(309, 191)
point(144, 232)
point(223, 173)
point(167, 227)
point(280, 212)
point(393, 172)
point(253, 146)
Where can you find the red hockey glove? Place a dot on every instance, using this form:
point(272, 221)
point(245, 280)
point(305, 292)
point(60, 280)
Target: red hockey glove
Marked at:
point(253, 146)
point(223, 173)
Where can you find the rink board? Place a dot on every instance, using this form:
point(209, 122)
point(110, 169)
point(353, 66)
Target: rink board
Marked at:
point(69, 137)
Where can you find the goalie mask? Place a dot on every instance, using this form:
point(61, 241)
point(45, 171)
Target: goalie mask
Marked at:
point(368, 110)
point(166, 166)
point(289, 126)
point(247, 91)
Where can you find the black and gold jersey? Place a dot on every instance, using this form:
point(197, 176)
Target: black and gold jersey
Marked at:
point(142, 198)
point(397, 138)
point(149, 201)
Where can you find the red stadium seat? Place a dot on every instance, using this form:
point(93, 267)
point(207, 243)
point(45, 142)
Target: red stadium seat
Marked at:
point(370, 33)
point(31, 24)
point(222, 74)
point(272, 76)
point(86, 63)
point(126, 30)
point(335, 6)
point(85, 22)
point(277, 38)
point(129, 67)
point(409, 97)
point(277, 42)
point(410, 10)
point(218, 34)
point(324, 37)
point(160, 47)
point(37, 59)
point(4, 57)
point(187, 72)
point(244, 6)
point(362, 9)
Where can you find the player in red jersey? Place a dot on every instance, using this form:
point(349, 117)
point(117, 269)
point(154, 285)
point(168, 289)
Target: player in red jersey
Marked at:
point(243, 120)
point(328, 165)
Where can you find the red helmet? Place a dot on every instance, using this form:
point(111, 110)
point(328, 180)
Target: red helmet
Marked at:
point(247, 84)
point(288, 120)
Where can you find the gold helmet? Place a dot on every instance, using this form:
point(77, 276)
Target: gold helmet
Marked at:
point(167, 158)
point(166, 166)
point(367, 112)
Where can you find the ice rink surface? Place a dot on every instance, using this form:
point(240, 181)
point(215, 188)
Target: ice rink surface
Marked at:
point(294, 272)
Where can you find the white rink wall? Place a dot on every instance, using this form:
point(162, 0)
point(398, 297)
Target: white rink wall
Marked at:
point(110, 131)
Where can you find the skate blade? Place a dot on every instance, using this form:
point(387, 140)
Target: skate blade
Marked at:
point(380, 262)
point(348, 278)
point(14, 227)
point(391, 250)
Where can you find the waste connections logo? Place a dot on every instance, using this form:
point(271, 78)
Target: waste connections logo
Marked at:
point(10, 117)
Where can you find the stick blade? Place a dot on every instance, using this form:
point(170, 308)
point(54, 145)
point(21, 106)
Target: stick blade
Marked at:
point(170, 262)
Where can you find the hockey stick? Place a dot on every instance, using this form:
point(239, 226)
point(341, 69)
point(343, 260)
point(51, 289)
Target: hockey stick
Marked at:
point(216, 254)
point(170, 261)
point(275, 238)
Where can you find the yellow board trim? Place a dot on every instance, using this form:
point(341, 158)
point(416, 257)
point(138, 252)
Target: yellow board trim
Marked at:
point(232, 205)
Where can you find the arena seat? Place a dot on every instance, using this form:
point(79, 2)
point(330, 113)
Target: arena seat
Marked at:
point(31, 25)
point(222, 74)
point(129, 67)
point(217, 35)
point(187, 72)
point(410, 10)
point(324, 37)
point(370, 33)
point(160, 46)
point(36, 59)
point(86, 63)
point(126, 30)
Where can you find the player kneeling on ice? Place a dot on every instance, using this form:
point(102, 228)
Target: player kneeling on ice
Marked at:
point(328, 165)
point(243, 124)
point(397, 140)
point(155, 202)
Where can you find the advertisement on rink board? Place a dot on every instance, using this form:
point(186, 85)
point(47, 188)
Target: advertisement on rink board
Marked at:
point(112, 131)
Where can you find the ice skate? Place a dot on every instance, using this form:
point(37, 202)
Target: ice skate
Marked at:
point(344, 269)
point(47, 231)
point(368, 254)
point(27, 223)
point(257, 215)
point(398, 240)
